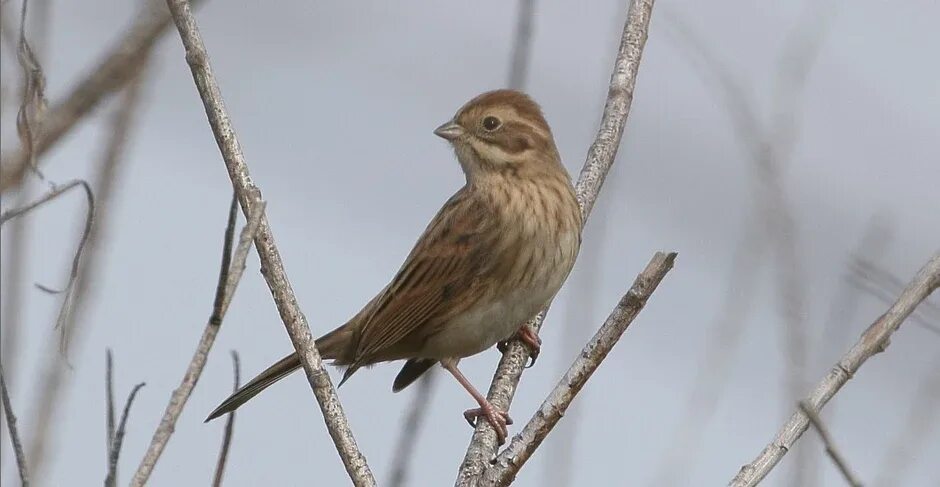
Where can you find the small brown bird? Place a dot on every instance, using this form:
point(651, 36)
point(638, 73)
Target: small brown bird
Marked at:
point(492, 257)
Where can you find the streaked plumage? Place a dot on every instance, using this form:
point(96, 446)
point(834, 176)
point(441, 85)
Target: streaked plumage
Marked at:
point(494, 255)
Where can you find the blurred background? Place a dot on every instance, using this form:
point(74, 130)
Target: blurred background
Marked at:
point(788, 151)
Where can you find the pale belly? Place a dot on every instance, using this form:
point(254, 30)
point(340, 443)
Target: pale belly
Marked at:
point(498, 319)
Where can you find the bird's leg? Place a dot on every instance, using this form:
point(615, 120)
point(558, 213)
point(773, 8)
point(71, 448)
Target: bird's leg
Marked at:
point(497, 419)
point(528, 336)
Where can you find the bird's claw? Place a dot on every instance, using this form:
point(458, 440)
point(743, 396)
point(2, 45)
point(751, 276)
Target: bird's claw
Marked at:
point(497, 419)
point(530, 339)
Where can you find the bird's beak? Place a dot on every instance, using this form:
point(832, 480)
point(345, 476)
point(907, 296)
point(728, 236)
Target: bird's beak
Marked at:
point(449, 131)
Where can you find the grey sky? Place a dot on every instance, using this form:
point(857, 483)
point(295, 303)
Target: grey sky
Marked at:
point(334, 106)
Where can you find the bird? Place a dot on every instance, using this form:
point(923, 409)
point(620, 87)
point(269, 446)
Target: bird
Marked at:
point(491, 259)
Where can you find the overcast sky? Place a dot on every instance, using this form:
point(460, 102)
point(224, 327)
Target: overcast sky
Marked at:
point(334, 105)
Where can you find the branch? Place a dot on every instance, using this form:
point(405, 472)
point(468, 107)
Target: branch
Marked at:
point(116, 68)
point(114, 452)
point(600, 158)
point(230, 274)
point(271, 265)
point(874, 340)
point(523, 445)
point(831, 449)
point(14, 434)
point(229, 426)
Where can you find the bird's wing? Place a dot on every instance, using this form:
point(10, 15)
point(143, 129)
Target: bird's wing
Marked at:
point(438, 278)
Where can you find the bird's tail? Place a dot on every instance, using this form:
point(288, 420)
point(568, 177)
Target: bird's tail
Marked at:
point(331, 346)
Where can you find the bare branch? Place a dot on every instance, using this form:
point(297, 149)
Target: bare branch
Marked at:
point(410, 429)
point(14, 434)
point(600, 158)
point(115, 69)
point(271, 265)
point(229, 425)
point(831, 449)
point(523, 445)
point(874, 340)
point(229, 275)
point(114, 452)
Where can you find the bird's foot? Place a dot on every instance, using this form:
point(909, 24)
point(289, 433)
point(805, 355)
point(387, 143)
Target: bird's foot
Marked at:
point(497, 419)
point(530, 338)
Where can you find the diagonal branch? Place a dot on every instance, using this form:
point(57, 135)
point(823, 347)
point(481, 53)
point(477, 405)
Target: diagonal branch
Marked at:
point(116, 68)
point(874, 340)
point(272, 267)
point(230, 273)
point(600, 158)
point(523, 445)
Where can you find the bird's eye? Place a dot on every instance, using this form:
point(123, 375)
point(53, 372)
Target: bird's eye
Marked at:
point(491, 123)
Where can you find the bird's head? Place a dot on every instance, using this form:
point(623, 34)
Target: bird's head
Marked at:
point(501, 132)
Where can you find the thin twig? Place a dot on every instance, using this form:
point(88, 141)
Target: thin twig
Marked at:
point(524, 444)
point(410, 430)
point(118, 66)
point(874, 340)
point(115, 451)
point(271, 265)
point(600, 158)
point(229, 426)
point(107, 177)
point(830, 445)
point(14, 434)
point(230, 274)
